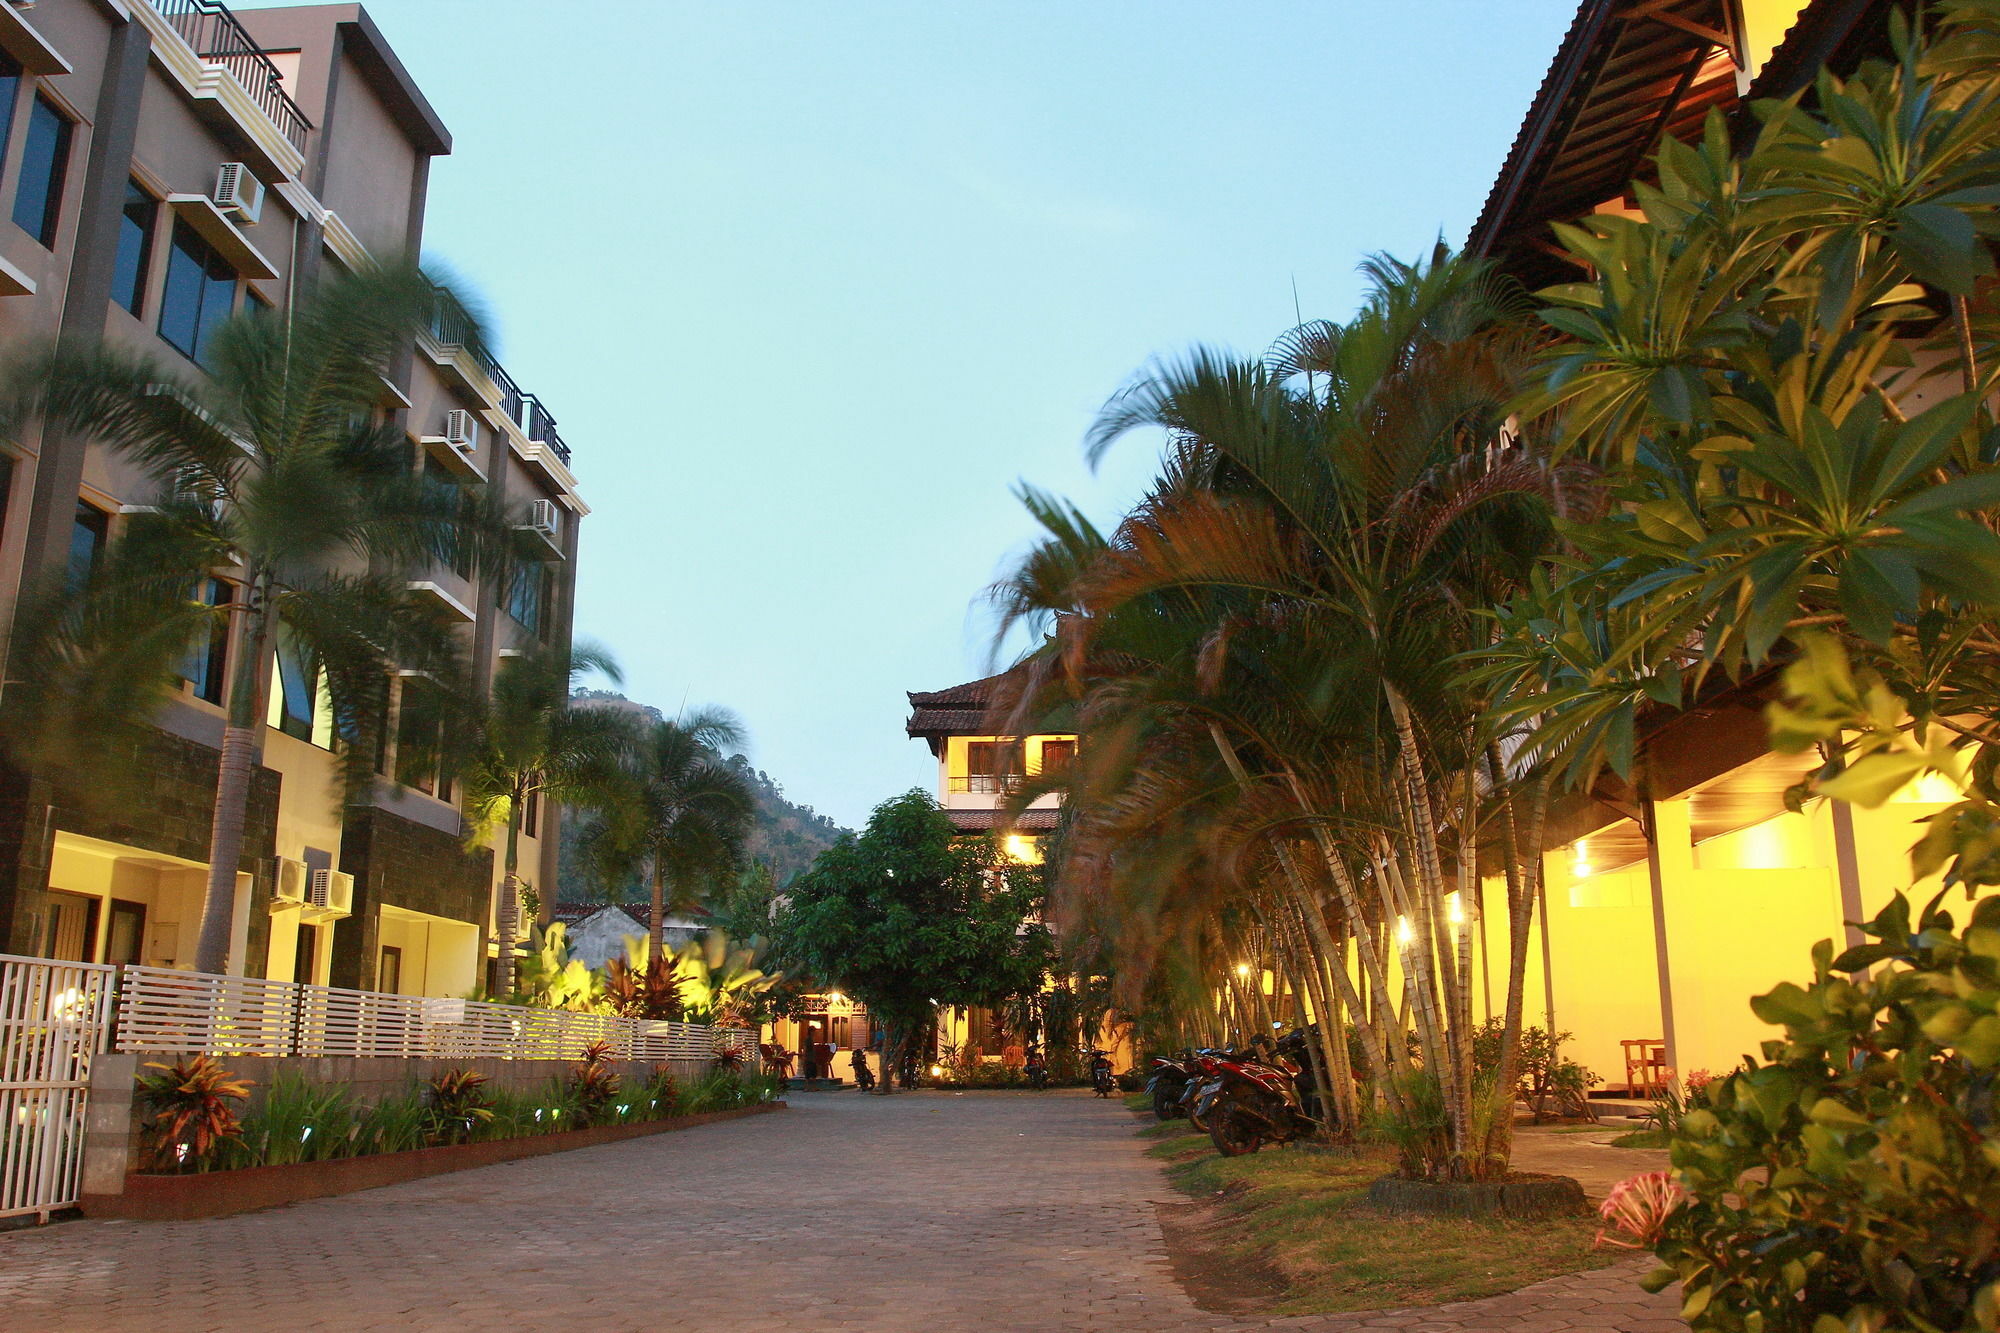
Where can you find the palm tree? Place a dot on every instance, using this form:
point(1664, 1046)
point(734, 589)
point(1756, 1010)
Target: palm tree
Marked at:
point(535, 743)
point(278, 474)
point(689, 813)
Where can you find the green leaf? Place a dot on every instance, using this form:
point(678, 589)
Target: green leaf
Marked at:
point(1940, 246)
point(1872, 779)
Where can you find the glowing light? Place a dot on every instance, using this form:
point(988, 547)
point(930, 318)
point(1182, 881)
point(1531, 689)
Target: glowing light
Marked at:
point(937, 1071)
point(1243, 969)
point(836, 998)
point(1454, 910)
point(305, 1133)
point(1404, 934)
point(67, 1005)
point(1579, 865)
point(1020, 848)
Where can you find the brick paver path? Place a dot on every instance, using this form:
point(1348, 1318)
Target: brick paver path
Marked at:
point(928, 1211)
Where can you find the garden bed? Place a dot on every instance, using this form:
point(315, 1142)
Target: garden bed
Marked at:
point(1291, 1231)
point(164, 1198)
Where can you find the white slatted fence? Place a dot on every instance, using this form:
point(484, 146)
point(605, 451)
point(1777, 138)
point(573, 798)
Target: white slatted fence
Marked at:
point(192, 1013)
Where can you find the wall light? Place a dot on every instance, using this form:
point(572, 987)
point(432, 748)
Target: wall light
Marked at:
point(1243, 969)
point(1454, 910)
point(1579, 865)
point(1403, 932)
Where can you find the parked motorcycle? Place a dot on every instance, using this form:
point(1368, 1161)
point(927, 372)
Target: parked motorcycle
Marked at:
point(1037, 1070)
point(1253, 1100)
point(864, 1077)
point(1169, 1083)
point(1100, 1073)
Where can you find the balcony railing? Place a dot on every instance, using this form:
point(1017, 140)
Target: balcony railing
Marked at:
point(451, 326)
point(216, 36)
point(985, 784)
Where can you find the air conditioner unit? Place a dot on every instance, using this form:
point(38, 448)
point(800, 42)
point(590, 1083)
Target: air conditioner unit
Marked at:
point(290, 890)
point(332, 893)
point(461, 430)
point(239, 191)
point(545, 517)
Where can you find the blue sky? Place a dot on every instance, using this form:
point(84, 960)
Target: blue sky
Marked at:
point(811, 286)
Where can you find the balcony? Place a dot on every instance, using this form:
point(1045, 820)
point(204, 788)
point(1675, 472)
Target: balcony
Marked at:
point(457, 340)
point(985, 784)
point(214, 35)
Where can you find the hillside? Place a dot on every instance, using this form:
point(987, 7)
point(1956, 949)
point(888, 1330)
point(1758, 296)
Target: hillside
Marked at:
point(787, 836)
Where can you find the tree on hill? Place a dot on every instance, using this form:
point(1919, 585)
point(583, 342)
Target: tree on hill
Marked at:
point(907, 916)
point(784, 836)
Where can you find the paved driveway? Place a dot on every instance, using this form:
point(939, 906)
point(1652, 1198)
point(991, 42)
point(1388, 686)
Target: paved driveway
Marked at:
point(926, 1211)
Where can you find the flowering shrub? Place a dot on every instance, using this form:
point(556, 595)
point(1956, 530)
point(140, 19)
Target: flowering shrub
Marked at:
point(1850, 1182)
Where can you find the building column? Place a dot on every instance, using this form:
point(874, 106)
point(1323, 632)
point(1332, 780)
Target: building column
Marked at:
point(1847, 868)
point(1669, 852)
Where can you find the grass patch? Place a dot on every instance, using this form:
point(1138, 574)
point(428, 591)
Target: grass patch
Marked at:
point(1138, 1101)
point(1642, 1138)
point(1303, 1215)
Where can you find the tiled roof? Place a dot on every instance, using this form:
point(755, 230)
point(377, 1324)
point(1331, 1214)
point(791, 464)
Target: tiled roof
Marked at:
point(985, 821)
point(1627, 73)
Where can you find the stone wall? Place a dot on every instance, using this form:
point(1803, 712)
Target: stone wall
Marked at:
point(158, 794)
point(401, 863)
point(111, 1146)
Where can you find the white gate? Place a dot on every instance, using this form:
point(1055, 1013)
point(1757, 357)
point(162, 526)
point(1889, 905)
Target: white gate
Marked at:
point(53, 1018)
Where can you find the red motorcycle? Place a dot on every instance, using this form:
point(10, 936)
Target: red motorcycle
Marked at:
point(1250, 1100)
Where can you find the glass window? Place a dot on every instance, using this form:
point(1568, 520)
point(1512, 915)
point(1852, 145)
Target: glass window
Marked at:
point(44, 160)
point(208, 663)
point(201, 288)
point(86, 542)
point(135, 248)
point(292, 688)
point(524, 597)
point(1057, 755)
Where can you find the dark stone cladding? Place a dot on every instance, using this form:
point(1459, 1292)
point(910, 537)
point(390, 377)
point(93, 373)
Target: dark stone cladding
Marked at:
point(163, 802)
point(398, 862)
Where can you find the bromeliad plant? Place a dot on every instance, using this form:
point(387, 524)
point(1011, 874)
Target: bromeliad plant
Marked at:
point(192, 1111)
point(593, 1086)
point(459, 1105)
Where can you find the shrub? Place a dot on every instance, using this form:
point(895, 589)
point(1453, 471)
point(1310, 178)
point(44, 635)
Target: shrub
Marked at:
point(189, 1111)
point(299, 1122)
point(1418, 1129)
point(459, 1105)
point(1850, 1180)
point(663, 1092)
point(593, 1087)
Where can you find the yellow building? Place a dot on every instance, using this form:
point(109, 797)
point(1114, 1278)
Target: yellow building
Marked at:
point(1671, 900)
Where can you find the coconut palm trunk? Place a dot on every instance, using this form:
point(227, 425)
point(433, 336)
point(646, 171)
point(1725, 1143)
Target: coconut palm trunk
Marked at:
point(241, 748)
point(507, 913)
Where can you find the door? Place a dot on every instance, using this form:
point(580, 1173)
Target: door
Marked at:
point(305, 955)
point(389, 975)
point(125, 936)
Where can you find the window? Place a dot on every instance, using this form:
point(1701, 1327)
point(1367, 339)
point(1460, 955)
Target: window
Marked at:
point(44, 161)
point(531, 815)
point(86, 543)
point(389, 974)
point(200, 291)
point(440, 479)
point(524, 596)
point(207, 663)
point(992, 766)
point(1057, 755)
point(135, 248)
point(420, 737)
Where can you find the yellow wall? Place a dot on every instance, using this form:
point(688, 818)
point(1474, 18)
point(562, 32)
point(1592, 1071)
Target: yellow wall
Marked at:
point(956, 752)
point(440, 956)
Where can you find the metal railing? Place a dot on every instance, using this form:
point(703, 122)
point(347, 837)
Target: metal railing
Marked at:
point(196, 1013)
point(214, 34)
point(452, 326)
point(985, 784)
point(53, 1018)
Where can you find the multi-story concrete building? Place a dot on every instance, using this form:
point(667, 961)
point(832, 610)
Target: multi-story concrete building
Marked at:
point(165, 163)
